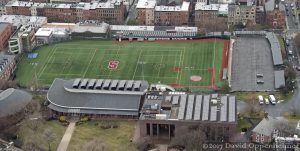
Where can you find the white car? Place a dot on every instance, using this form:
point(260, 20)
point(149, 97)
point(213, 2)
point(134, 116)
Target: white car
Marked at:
point(267, 101)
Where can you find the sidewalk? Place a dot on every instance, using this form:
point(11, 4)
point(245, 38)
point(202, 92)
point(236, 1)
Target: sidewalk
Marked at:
point(63, 145)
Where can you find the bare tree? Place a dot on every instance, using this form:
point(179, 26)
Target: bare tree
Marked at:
point(33, 124)
point(143, 143)
point(49, 137)
point(190, 139)
point(285, 128)
point(297, 42)
point(253, 107)
point(94, 145)
point(5, 84)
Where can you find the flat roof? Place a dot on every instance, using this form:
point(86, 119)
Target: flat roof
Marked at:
point(146, 4)
point(91, 26)
point(279, 79)
point(81, 5)
point(63, 99)
point(190, 107)
point(3, 26)
point(44, 32)
point(18, 20)
point(275, 47)
point(184, 7)
point(221, 8)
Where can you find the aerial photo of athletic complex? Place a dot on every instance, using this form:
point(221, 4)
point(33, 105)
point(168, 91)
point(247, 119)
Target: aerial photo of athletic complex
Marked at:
point(193, 63)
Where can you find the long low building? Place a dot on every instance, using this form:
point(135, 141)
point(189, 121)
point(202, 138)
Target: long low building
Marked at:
point(96, 97)
point(161, 115)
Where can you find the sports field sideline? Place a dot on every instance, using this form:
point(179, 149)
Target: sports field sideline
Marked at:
point(194, 64)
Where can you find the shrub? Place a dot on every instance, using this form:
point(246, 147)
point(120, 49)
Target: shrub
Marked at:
point(62, 119)
point(84, 119)
point(105, 125)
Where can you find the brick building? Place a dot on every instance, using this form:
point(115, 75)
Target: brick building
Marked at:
point(5, 33)
point(241, 14)
point(150, 13)
point(161, 115)
point(275, 14)
point(205, 14)
point(172, 15)
point(2, 7)
point(7, 66)
point(111, 11)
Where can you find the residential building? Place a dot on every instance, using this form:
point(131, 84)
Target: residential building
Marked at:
point(23, 40)
point(2, 7)
point(97, 98)
point(172, 15)
point(19, 20)
point(241, 14)
point(162, 114)
point(267, 129)
point(275, 14)
point(145, 12)
point(149, 12)
point(7, 66)
point(5, 33)
point(111, 11)
point(205, 14)
point(260, 15)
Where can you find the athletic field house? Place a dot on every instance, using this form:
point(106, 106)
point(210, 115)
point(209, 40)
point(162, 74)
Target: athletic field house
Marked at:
point(159, 113)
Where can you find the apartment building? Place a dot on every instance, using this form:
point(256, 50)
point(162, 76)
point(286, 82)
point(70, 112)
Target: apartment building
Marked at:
point(151, 13)
point(241, 14)
point(172, 15)
point(145, 12)
point(5, 33)
point(275, 14)
point(23, 40)
point(7, 66)
point(111, 11)
point(209, 13)
point(2, 7)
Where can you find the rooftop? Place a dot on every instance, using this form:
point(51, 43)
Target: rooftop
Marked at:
point(12, 101)
point(18, 20)
point(193, 107)
point(44, 32)
point(90, 26)
point(81, 5)
point(96, 96)
point(146, 4)
point(184, 7)
point(221, 8)
point(3, 26)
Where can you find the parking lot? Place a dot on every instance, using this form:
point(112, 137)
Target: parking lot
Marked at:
point(252, 56)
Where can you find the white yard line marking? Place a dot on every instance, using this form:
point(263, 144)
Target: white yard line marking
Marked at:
point(160, 64)
point(182, 63)
point(45, 65)
point(89, 63)
point(137, 63)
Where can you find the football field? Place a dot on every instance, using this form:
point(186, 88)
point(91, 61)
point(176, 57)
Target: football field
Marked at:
point(196, 64)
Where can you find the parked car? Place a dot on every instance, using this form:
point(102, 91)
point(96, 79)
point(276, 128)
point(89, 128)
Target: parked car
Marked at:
point(267, 101)
point(259, 75)
point(261, 99)
point(260, 82)
point(298, 68)
point(272, 99)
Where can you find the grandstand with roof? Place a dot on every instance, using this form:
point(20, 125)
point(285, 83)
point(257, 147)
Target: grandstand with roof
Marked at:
point(153, 31)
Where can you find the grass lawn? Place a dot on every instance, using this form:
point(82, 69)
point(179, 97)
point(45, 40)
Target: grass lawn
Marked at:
point(243, 96)
point(115, 139)
point(169, 63)
point(37, 137)
point(291, 117)
point(282, 46)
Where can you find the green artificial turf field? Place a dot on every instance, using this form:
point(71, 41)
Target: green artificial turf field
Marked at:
point(168, 63)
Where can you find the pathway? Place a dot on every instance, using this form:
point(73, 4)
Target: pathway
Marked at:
point(63, 145)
